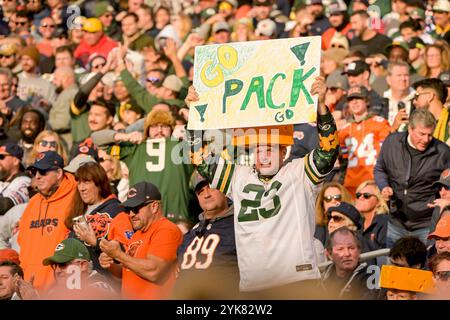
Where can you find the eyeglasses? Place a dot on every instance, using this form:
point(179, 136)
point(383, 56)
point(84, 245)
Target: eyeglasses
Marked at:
point(4, 155)
point(51, 144)
point(34, 171)
point(336, 219)
point(417, 95)
point(337, 197)
point(443, 275)
point(51, 26)
point(20, 23)
point(366, 195)
point(160, 126)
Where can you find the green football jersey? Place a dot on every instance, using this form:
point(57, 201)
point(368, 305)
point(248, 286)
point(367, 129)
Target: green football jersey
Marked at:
point(164, 163)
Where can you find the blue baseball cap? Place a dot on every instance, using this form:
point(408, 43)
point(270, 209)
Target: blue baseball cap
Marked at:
point(12, 149)
point(349, 211)
point(48, 160)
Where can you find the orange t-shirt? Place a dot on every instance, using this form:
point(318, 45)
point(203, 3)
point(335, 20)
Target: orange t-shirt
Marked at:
point(161, 240)
point(360, 144)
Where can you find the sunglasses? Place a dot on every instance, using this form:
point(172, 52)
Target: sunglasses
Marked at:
point(417, 95)
point(20, 23)
point(4, 155)
point(443, 275)
point(60, 265)
point(337, 197)
point(137, 209)
point(153, 80)
point(34, 171)
point(336, 219)
point(5, 56)
point(51, 144)
point(366, 195)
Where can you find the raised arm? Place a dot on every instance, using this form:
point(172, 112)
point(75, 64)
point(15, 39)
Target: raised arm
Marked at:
point(78, 104)
point(323, 157)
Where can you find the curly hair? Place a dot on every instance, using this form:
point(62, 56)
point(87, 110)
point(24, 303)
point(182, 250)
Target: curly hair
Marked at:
point(158, 116)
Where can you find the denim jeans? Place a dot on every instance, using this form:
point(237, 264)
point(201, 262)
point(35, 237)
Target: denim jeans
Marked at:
point(395, 232)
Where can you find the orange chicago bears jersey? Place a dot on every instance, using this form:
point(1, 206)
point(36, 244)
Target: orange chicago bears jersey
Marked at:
point(360, 145)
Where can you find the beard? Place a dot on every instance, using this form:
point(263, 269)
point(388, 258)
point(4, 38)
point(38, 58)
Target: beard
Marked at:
point(59, 89)
point(3, 174)
point(30, 137)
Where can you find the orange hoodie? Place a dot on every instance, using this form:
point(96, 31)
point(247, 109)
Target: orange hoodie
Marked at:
point(41, 228)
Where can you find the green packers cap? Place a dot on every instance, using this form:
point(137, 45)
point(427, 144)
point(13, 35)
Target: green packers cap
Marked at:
point(68, 250)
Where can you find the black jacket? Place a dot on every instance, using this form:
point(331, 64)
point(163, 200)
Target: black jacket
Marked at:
point(353, 287)
point(100, 220)
point(376, 232)
point(412, 193)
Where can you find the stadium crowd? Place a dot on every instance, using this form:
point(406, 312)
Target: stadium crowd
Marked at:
point(105, 193)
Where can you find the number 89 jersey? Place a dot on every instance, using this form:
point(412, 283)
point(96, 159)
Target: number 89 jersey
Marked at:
point(360, 144)
point(209, 245)
point(208, 255)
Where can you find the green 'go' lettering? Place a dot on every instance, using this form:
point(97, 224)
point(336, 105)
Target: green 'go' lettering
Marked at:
point(255, 205)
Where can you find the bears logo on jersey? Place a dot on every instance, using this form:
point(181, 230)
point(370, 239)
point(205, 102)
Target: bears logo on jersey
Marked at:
point(133, 248)
point(100, 224)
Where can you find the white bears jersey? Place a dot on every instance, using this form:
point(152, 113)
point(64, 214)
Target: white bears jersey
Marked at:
point(274, 222)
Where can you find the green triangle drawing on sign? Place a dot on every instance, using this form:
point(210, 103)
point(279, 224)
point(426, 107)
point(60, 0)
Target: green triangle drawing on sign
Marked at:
point(300, 52)
point(201, 110)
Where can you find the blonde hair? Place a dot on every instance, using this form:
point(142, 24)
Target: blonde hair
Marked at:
point(444, 49)
point(186, 25)
point(246, 22)
point(117, 171)
point(44, 134)
point(321, 216)
point(382, 207)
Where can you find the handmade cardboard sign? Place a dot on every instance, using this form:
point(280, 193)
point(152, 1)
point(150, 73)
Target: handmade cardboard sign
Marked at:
point(255, 83)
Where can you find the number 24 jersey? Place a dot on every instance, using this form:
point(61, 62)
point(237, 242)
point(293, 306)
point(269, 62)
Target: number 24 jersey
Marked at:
point(360, 144)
